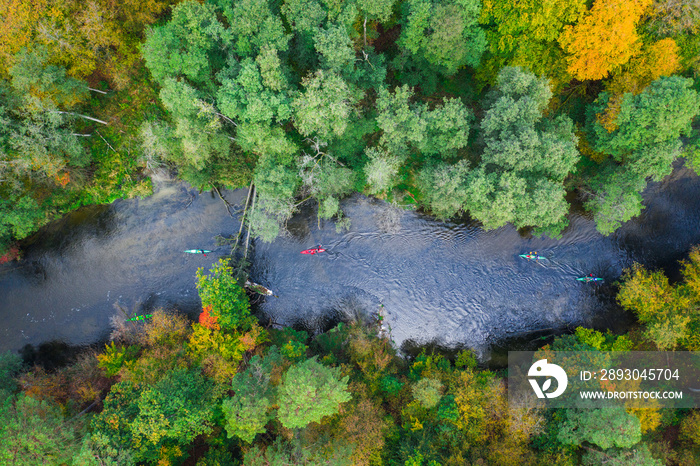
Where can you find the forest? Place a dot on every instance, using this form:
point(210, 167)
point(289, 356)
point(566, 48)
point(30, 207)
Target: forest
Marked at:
point(509, 112)
point(225, 391)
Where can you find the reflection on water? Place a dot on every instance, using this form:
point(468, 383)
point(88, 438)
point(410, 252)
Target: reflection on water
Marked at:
point(76, 269)
point(447, 283)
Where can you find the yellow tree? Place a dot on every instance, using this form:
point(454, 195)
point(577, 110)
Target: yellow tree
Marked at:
point(525, 32)
point(660, 58)
point(604, 39)
point(662, 307)
point(17, 27)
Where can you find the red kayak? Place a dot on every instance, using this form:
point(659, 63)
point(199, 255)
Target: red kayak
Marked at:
point(313, 250)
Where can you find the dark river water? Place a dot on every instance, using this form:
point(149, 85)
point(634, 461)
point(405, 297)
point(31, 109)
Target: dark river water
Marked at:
point(451, 284)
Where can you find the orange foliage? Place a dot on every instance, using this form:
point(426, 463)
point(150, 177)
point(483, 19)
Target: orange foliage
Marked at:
point(608, 117)
point(207, 320)
point(253, 338)
point(655, 60)
point(604, 39)
point(62, 179)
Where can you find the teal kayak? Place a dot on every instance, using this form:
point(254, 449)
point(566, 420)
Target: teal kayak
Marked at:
point(137, 318)
point(590, 279)
point(533, 257)
point(197, 251)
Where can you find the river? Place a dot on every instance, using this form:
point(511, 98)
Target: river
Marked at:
point(446, 283)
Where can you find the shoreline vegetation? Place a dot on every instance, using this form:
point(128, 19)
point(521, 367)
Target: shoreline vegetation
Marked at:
point(226, 391)
point(495, 109)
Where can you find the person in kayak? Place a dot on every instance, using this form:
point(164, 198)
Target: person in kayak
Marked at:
point(202, 251)
point(317, 250)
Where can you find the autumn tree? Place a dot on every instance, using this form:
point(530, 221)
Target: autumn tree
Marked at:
point(525, 34)
point(604, 39)
point(673, 17)
point(228, 301)
point(663, 308)
point(158, 419)
point(16, 31)
point(657, 59)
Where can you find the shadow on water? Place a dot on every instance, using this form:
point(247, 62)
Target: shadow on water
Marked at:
point(448, 284)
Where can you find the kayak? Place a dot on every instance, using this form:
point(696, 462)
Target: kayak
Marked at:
point(313, 250)
point(532, 257)
point(143, 317)
point(197, 251)
point(590, 279)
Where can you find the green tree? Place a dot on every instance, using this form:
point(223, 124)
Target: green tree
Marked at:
point(187, 45)
point(427, 392)
point(380, 10)
point(526, 158)
point(197, 125)
point(34, 432)
point(310, 391)
point(648, 127)
point(254, 97)
point(33, 76)
point(446, 33)
point(10, 366)
point(335, 47)
point(401, 123)
point(639, 456)
point(254, 26)
point(605, 427)
point(382, 170)
point(306, 17)
point(98, 450)
point(299, 452)
point(327, 181)
point(445, 189)
point(155, 420)
point(325, 106)
point(276, 179)
point(19, 216)
point(250, 408)
point(615, 198)
point(174, 411)
point(409, 127)
point(228, 301)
